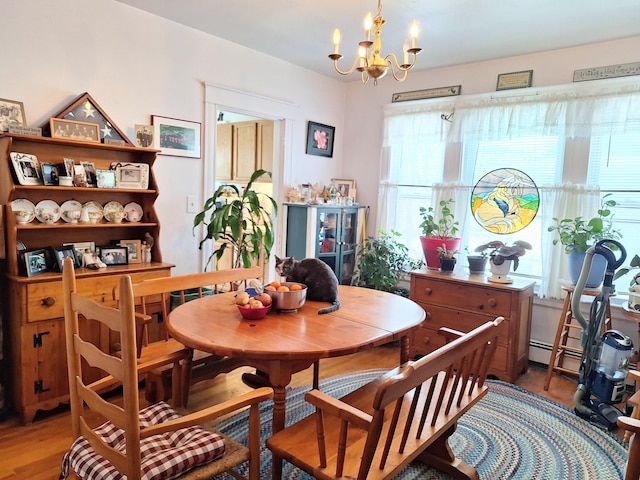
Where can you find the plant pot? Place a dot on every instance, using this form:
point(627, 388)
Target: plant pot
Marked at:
point(477, 264)
point(447, 264)
point(430, 249)
point(500, 273)
point(596, 274)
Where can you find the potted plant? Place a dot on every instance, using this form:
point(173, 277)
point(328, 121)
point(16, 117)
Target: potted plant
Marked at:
point(634, 286)
point(477, 261)
point(578, 234)
point(438, 227)
point(381, 261)
point(447, 258)
point(502, 256)
point(239, 221)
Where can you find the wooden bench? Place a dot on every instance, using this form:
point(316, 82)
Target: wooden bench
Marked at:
point(407, 414)
point(162, 382)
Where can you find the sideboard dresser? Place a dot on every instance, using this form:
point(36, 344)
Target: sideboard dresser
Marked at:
point(463, 302)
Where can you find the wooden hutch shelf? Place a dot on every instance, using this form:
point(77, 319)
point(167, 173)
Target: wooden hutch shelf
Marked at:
point(32, 305)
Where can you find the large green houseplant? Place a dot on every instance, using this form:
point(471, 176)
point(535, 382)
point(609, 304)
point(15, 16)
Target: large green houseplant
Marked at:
point(381, 261)
point(241, 221)
point(438, 227)
point(578, 234)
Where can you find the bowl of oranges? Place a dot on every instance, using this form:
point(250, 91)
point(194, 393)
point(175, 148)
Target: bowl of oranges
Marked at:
point(286, 296)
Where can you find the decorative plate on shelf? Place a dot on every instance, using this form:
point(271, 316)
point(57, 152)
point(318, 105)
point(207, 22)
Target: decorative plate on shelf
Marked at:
point(24, 205)
point(67, 210)
point(94, 207)
point(48, 211)
point(133, 212)
point(113, 211)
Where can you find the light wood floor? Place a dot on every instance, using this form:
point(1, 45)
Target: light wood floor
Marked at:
point(34, 451)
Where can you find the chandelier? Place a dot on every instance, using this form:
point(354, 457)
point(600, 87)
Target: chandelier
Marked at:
point(374, 65)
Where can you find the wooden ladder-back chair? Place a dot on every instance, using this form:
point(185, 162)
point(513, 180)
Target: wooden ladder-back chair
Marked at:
point(156, 442)
point(203, 365)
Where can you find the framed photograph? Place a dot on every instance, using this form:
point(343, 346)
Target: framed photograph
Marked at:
point(35, 262)
point(508, 81)
point(320, 139)
point(106, 178)
point(134, 250)
point(68, 166)
point(114, 255)
point(131, 175)
point(73, 130)
point(180, 138)
point(11, 114)
point(346, 187)
point(79, 176)
point(49, 173)
point(66, 251)
point(82, 247)
point(144, 136)
point(90, 172)
point(26, 168)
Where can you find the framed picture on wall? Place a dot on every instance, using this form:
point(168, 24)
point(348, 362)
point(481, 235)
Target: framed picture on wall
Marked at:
point(320, 139)
point(180, 138)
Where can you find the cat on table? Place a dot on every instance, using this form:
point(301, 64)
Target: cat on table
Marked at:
point(321, 282)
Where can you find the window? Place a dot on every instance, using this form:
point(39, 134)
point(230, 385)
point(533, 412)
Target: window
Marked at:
point(539, 158)
point(573, 135)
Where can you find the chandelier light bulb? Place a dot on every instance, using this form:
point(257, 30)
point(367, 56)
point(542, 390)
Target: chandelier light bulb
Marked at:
point(336, 41)
point(368, 23)
point(413, 32)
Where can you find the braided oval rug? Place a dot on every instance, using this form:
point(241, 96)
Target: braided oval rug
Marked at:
point(510, 434)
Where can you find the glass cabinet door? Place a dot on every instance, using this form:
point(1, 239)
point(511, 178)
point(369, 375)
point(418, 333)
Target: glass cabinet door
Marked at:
point(327, 232)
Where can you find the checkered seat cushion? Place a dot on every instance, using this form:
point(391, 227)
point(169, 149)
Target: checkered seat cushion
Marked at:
point(163, 457)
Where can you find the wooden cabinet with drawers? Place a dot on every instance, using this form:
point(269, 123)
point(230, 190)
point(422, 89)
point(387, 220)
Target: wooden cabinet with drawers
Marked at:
point(33, 313)
point(463, 302)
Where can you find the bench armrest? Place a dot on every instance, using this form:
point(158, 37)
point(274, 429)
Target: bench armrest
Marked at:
point(338, 408)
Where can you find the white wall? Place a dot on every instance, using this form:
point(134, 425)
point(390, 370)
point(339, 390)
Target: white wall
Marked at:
point(136, 65)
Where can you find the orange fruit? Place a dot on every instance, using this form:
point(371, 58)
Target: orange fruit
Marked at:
point(295, 287)
point(270, 288)
point(275, 284)
point(283, 288)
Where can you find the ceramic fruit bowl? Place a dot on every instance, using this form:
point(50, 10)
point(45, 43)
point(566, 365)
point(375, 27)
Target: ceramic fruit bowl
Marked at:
point(249, 313)
point(289, 300)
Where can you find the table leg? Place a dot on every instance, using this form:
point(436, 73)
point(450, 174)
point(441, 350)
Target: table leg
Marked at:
point(279, 381)
point(404, 349)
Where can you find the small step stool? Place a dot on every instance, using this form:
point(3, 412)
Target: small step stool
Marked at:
point(565, 330)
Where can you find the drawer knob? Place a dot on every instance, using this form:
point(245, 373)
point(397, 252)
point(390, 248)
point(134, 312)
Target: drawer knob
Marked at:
point(427, 291)
point(49, 301)
point(492, 302)
point(427, 316)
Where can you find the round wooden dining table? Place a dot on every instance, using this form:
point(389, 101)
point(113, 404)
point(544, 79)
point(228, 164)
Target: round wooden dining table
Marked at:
point(282, 344)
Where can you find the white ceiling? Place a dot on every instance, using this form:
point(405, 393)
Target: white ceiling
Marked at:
point(451, 31)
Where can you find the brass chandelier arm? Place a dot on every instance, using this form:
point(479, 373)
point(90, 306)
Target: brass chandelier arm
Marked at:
point(337, 57)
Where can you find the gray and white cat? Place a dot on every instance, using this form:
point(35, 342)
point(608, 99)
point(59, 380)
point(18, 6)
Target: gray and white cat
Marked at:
point(321, 282)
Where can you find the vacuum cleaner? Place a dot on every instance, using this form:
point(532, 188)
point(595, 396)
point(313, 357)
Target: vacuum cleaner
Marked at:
point(605, 357)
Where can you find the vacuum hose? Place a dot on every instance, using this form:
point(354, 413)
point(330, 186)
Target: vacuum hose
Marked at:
point(578, 401)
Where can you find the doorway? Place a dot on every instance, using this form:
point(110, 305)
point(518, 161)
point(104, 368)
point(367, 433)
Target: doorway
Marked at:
point(229, 104)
